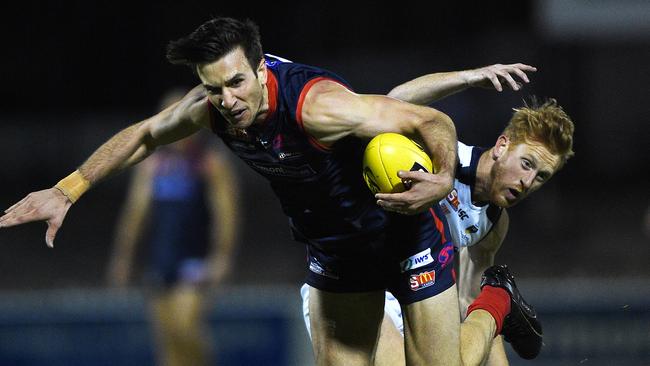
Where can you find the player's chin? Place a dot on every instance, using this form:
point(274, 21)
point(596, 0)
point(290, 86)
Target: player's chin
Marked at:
point(504, 202)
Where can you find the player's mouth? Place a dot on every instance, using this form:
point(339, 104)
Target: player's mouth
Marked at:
point(237, 114)
point(512, 194)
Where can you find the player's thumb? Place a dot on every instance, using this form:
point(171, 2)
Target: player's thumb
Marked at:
point(50, 234)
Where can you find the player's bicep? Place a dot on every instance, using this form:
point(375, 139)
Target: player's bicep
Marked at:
point(331, 112)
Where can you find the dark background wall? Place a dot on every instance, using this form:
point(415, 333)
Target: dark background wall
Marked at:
point(74, 73)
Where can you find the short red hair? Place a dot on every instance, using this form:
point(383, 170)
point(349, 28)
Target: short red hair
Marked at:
point(547, 124)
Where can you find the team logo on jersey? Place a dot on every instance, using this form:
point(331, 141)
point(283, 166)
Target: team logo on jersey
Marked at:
point(422, 280)
point(416, 261)
point(315, 267)
point(471, 229)
point(462, 214)
point(446, 255)
point(452, 198)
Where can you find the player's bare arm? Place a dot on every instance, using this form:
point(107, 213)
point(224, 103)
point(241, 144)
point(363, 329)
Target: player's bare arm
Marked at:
point(331, 112)
point(124, 149)
point(429, 88)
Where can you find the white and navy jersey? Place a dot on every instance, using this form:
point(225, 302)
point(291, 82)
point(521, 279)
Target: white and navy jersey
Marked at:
point(468, 223)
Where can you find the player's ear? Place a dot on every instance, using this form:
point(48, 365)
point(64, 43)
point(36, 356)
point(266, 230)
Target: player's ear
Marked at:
point(261, 71)
point(500, 147)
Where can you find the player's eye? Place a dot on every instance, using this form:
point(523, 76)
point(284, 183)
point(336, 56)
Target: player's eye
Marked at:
point(526, 164)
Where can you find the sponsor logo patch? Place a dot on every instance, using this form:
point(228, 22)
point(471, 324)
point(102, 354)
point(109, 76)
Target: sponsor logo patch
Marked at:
point(446, 255)
point(452, 198)
point(416, 261)
point(422, 280)
point(471, 229)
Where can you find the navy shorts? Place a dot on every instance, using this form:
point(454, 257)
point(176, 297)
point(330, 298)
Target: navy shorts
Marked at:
point(412, 258)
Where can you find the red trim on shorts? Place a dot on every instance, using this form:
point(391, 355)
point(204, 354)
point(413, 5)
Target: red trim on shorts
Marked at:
point(301, 100)
point(439, 225)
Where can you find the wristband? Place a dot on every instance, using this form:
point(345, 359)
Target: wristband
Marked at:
point(73, 186)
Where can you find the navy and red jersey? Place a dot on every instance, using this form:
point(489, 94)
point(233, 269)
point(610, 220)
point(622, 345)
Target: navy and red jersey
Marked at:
point(321, 189)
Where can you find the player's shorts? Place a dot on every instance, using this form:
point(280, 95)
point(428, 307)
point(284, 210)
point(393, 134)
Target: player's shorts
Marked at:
point(391, 308)
point(412, 258)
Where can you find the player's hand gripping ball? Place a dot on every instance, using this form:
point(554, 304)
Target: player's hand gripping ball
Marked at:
point(388, 153)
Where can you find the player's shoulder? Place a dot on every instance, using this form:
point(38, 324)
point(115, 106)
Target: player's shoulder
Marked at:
point(289, 73)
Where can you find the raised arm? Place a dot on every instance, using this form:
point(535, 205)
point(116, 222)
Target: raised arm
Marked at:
point(331, 112)
point(429, 88)
point(473, 262)
point(126, 148)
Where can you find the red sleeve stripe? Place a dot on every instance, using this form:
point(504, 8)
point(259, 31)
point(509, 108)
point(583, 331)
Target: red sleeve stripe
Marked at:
point(301, 100)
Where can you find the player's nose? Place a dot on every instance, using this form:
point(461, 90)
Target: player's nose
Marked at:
point(228, 100)
point(527, 181)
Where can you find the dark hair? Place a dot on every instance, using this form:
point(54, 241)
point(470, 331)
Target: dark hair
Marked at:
point(215, 38)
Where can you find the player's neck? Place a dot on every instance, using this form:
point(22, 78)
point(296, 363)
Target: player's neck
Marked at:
point(264, 109)
point(482, 182)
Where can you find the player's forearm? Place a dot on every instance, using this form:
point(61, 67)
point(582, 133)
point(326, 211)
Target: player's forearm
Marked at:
point(439, 134)
point(429, 88)
point(124, 149)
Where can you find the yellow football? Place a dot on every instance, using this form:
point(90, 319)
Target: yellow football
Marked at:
point(388, 153)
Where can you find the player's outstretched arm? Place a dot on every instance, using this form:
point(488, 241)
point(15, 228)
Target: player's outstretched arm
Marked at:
point(126, 148)
point(331, 112)
point(429, 88)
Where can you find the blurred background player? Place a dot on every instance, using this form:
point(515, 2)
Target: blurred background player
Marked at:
point(183, 198)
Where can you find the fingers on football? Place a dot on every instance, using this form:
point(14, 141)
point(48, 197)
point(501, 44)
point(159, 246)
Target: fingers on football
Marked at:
point(411, 175)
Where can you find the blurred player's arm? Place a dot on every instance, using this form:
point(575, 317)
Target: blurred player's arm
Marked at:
point(124, 149)
point(130, 225)
point(223, 195)
point(429, 88)
point(473, 262)
point(331, 112)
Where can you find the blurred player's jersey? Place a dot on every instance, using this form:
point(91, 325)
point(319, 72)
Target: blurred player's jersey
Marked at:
point(179, 218)
point(321, 191)
point(468, 222)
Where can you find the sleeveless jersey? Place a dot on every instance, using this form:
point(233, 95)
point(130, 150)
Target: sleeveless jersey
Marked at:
point(321, 192)
point(179, 222)
point(468, 222)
